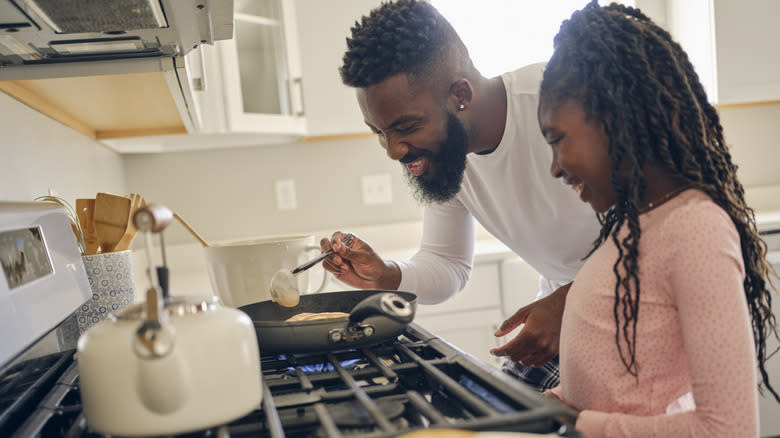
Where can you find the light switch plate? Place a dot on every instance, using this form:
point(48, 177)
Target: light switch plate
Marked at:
point(285, 194)
point(377, 189)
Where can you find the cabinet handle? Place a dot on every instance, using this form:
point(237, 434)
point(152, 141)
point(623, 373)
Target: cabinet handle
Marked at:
point(197, 69)
point(202, 59)
point(296, 96)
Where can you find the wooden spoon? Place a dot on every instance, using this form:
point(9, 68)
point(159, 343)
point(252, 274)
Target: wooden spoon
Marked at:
point(190, 229)
point(137, 201)
point(85, 210)
point(111, 216)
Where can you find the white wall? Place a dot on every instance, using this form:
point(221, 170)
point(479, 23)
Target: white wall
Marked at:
point(752, 132)
point(37, 153)
point(229, 193)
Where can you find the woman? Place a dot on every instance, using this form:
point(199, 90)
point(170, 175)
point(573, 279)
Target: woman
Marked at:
point(633, 133)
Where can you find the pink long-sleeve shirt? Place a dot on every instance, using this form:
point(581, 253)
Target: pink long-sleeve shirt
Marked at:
point(693, 333)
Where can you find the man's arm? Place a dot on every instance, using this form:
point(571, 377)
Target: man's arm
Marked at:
point(442, 266)
point(438, 270)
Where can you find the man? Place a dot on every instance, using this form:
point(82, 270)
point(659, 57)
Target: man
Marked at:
point(472, 150)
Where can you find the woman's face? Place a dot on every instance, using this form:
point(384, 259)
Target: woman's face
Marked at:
point(580, 152)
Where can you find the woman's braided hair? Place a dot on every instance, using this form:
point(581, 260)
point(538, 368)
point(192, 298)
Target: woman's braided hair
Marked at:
point(638, 83)
point(406, 36)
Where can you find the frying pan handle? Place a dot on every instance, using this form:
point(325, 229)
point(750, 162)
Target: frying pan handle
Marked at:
point(385, 304)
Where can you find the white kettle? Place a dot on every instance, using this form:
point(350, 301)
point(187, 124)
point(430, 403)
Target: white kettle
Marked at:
point(169, 366)
point(210, 375)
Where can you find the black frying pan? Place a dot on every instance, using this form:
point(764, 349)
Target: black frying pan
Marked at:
point(374, 316)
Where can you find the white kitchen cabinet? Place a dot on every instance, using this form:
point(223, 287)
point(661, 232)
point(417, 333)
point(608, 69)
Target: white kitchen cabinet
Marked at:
point(330, 106)
point(276, 82)
point(261, 78)
point(734, 46)
point(469, 319)
point(470, 331)
point(519, 285)
point(279, 74)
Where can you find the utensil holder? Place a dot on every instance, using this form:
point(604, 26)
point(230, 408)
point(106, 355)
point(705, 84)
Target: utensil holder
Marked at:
point(111, 278)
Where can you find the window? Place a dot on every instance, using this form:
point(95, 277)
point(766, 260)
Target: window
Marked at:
point(502, 35)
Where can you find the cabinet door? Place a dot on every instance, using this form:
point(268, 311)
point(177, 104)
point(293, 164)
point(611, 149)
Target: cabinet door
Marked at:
point(469, 319)
point(733, 45)
point(261, 70)
point(470, 331)
point(206, 77)
point(747, 43)
point(519, 285)
point(331, 106)
point(483, 291)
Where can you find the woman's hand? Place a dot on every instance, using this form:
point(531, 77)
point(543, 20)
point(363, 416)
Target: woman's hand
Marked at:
point(539, 339)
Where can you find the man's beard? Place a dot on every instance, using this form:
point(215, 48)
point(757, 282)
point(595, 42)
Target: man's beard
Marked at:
point(442, 181)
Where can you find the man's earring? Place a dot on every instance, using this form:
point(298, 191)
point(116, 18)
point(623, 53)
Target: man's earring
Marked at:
point(461, 107)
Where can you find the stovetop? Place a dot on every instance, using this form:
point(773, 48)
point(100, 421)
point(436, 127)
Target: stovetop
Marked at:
point(414, 382)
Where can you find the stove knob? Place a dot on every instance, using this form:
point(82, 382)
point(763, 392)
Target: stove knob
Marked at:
point(335, 336)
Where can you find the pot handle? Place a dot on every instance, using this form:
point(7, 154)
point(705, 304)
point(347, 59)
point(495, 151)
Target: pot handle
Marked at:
point(385, 304)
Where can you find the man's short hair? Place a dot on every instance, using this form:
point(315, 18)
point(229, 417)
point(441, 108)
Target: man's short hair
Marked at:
point(405, 36)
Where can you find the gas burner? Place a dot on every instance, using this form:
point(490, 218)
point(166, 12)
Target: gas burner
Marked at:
point(324, 367)
point(354, 418)
point(355, 414)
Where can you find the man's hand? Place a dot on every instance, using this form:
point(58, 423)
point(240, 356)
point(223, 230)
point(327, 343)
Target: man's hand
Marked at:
point(537, 342)
point(358, 265)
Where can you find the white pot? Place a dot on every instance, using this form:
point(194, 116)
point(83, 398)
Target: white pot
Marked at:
point(241, 271)
point(210, 375)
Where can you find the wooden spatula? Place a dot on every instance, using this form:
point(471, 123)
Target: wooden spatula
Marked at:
point(85, 210)
point(111, 214)
point(137, 201)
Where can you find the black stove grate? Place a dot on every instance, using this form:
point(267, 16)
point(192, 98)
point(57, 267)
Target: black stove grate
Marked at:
point(45, 398)
point(415, 382)
point(393, 388)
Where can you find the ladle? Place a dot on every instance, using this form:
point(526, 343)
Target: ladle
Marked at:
point(284, 287)
point(347, 240)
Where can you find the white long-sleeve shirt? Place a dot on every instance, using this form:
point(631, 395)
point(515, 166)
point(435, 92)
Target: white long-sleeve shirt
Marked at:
point(513, 196)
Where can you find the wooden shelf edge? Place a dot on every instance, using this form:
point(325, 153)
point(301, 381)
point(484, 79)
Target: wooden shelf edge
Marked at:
point(332, 137)
point(747, 104)
point(45, 107)
point(139, 132)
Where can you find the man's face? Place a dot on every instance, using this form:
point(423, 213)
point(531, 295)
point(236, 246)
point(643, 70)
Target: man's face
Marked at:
point(580, 152)
point(416, 129)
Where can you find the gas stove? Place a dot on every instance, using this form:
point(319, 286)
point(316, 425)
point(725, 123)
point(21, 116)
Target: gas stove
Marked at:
point(412, 382)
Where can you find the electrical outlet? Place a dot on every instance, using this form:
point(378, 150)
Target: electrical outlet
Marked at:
point(285, 194)
point(377, 189)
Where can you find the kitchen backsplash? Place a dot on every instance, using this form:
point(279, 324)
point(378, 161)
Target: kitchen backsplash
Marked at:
point(230, 193)
point(37, 153)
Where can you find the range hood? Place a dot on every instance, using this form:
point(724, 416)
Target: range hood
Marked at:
point(110, 68)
